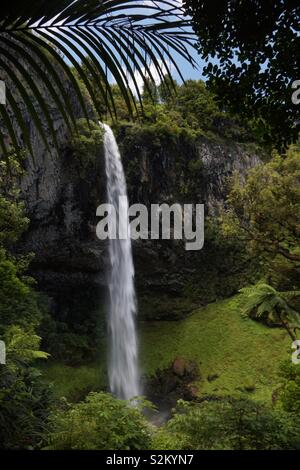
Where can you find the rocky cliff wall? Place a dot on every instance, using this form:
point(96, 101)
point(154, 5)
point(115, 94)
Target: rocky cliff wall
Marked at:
point(172, 281)
point(62, 192)
point(62, 195)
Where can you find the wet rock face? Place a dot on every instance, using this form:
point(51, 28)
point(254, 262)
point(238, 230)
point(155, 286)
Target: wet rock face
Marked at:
point(62, 208)
point(61, 197)
point(61, 202)
point(185, 172)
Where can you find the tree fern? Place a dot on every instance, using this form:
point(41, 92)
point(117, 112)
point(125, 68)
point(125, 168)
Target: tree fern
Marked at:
point(263, 300)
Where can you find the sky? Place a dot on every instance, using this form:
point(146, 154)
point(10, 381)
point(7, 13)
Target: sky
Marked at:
point(186, 68)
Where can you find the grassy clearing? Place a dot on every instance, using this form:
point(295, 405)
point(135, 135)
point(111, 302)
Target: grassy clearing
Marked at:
point(243, 354)
point(74, 383)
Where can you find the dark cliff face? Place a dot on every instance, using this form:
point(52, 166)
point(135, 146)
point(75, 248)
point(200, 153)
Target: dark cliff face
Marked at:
point(61, 196)
point(62, 191)
point(61, 200)
point(183, 170)
point(172, 281)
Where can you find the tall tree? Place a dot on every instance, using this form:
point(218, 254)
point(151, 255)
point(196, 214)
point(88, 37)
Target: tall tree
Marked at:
point(265, 209)
point(252, 50)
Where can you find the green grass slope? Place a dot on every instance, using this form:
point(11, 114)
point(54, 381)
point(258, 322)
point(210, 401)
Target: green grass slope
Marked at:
point(243, 354)
point(73, 383)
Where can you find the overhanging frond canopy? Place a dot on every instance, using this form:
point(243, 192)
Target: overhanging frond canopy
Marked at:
point(121, 38)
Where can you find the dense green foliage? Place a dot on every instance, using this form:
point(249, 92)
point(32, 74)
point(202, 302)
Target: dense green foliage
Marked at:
point(100, 422)
point(191, 111)
point(13, 221)
point(87, 144)
point(264, 302)
point(18, 302)
point(24, 398)
point(264, 212)
point(231, 425)
point(252, 53)
point(289, 393)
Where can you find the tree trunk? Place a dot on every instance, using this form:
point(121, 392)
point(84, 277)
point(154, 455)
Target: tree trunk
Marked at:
point(287, 328)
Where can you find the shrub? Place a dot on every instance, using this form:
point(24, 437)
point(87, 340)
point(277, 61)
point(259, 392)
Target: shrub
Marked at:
point(101, 422)
point(233, 425)
point(87, 145)
point(18, 301)
point(289, 394)
point(25, 400)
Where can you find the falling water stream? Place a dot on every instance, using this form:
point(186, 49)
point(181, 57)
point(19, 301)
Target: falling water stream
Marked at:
point(123, 367)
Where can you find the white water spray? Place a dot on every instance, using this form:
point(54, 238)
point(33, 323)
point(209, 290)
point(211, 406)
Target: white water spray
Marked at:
point(123, 368)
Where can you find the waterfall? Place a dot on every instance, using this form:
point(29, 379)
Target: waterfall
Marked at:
point(123, 368)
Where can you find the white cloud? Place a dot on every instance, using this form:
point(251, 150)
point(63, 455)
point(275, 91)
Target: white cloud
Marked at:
point(139, 79)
